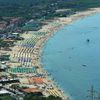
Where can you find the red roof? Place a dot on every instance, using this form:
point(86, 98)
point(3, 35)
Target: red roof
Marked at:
point(37, 80)
point(31, 90)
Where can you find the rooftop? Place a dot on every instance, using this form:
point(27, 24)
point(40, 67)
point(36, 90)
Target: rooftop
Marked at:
point(31, 90)
point(37, 80)
point(3, 91)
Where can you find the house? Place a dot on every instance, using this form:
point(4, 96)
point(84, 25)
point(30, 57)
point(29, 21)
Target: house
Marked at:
point(36, 80)
point(4, 92)
point(3, 25)
point(3, 36)
point(33, 91)
point(16, 21)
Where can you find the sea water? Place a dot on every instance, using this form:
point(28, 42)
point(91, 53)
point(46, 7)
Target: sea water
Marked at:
point(72, 57)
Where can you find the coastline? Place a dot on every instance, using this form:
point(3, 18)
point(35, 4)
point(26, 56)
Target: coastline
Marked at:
point(64, 21)
point(51, 30)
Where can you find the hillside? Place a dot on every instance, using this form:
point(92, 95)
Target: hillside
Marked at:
point(41, 7)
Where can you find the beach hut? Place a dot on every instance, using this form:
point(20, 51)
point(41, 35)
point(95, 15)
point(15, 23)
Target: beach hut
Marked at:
point(15, 33)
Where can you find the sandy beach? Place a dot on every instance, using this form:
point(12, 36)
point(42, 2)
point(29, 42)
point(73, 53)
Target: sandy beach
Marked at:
point(36, 52)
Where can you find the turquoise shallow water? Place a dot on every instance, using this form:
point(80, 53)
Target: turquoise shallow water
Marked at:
point(73, 62)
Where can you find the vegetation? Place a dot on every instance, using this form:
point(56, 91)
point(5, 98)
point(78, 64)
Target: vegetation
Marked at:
point(42, 8)
point(31, 97)
point(6, 97)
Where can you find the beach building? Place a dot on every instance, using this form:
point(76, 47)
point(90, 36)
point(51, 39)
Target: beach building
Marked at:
point(3, 36)
point(2, 67)
point(8, 40)
point(16, 21)
point(9, 36)
point(3, 25)
point(31, 90)
point(34, 91)
point(15, 33)
point(4, 92)
point(36, 80)
point(9, 81)
point(32, 80)
point(22, 70)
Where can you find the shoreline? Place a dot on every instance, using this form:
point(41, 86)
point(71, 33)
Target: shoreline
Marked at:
point(51, 28)
point(64, 21)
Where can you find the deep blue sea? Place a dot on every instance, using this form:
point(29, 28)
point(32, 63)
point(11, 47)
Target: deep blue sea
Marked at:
point(72, 57)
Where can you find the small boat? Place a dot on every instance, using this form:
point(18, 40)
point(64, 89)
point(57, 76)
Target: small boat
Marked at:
point(88, 40)
point(84, 65)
